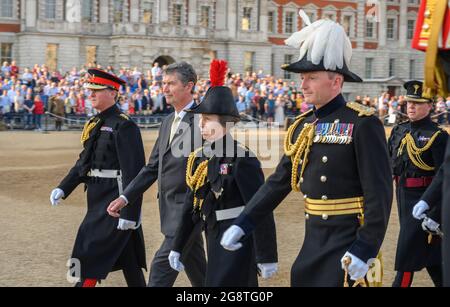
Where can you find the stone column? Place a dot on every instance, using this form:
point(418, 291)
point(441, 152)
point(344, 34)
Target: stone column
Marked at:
point(360, 25)
point(164, 11)
point(192, 12)
point(263, 19)
point(104, 11)
point(402, 31)
point(221, 15)
point(31, 13)
point(233, 22)
point(134, 11)
point(382, 23)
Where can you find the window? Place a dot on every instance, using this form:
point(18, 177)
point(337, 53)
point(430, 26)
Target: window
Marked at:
point(412, 1)
point(271, 22)
point(6, 52)
point(91, 55)
point(369, 29)
point(118, 11)
point(204, 16)
point(287, 60)
point(247, 19)
point(249, 58)
point(50, 9)
point(289, 22)
point(412, 69)
point(347, 23)
point(369, 68)
point(177, 14)
point(391, 67)
point(51, 56)
point(147, 8)
point(6, 8)
point(390, 29)
point(86, 11)
point(411, 24)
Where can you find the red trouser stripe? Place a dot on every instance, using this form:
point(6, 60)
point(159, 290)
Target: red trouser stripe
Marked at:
point(406, 280)
point(89, 283)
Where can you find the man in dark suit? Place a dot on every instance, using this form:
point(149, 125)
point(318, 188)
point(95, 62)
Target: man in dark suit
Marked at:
point(178, 137)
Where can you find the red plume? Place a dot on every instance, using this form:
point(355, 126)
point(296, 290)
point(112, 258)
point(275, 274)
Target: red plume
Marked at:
point(217, 72)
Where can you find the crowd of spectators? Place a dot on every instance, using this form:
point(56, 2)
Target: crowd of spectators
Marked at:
point(26, 94)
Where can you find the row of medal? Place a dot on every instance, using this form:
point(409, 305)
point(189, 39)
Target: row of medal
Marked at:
point(333, 133)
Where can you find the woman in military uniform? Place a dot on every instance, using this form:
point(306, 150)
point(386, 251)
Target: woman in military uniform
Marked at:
point(112, 156)
point(222, 177)
point(417, 150)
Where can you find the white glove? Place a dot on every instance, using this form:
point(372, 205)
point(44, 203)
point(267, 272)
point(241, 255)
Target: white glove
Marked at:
point(126, 225)
point(56, 196)
point(174, 261)
point(231, 237)
point(357, 268)
point(428, 224)
point(268, 269)
point(419, 210)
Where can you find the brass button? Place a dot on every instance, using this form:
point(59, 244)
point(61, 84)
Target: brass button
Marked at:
point(323, 178)
point(336, 121)
point(301, 180)
point(324, 159)
point(427, 13)
point(307, 216)
point(301, 161)
point(324, 217)
point(425, 26)
point(324, 197)
point(305, 196)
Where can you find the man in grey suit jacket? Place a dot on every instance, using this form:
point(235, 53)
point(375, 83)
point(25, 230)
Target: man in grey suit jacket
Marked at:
point(178, 137)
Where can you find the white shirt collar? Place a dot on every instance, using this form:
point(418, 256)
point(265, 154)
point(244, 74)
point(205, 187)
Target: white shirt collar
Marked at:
point(183, 112)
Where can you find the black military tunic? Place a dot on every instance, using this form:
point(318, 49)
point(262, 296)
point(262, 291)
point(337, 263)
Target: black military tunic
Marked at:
point(114, 143)
point(348, 159)
point(413, 250)
point(446, 216)
point(231, 182)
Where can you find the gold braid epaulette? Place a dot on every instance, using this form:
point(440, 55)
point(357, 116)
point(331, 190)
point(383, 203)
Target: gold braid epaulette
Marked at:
point(298, 151)
point(88, 126)
point(196, 179)
point(124, 116)
point(415, 152)
point(361, 109)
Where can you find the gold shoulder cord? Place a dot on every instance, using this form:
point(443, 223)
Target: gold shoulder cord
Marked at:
point(196, 179)
point(415, 152)
point(298, 152)
point(87, 129)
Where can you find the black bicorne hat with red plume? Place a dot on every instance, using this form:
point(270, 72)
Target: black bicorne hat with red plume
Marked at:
point(219, 98)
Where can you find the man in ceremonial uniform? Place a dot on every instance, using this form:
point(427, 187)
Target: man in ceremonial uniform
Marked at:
point(336, 155)
point(112, 156)
point(417, 149)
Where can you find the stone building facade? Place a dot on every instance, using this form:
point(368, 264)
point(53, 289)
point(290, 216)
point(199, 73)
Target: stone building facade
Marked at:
point(247, 33)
